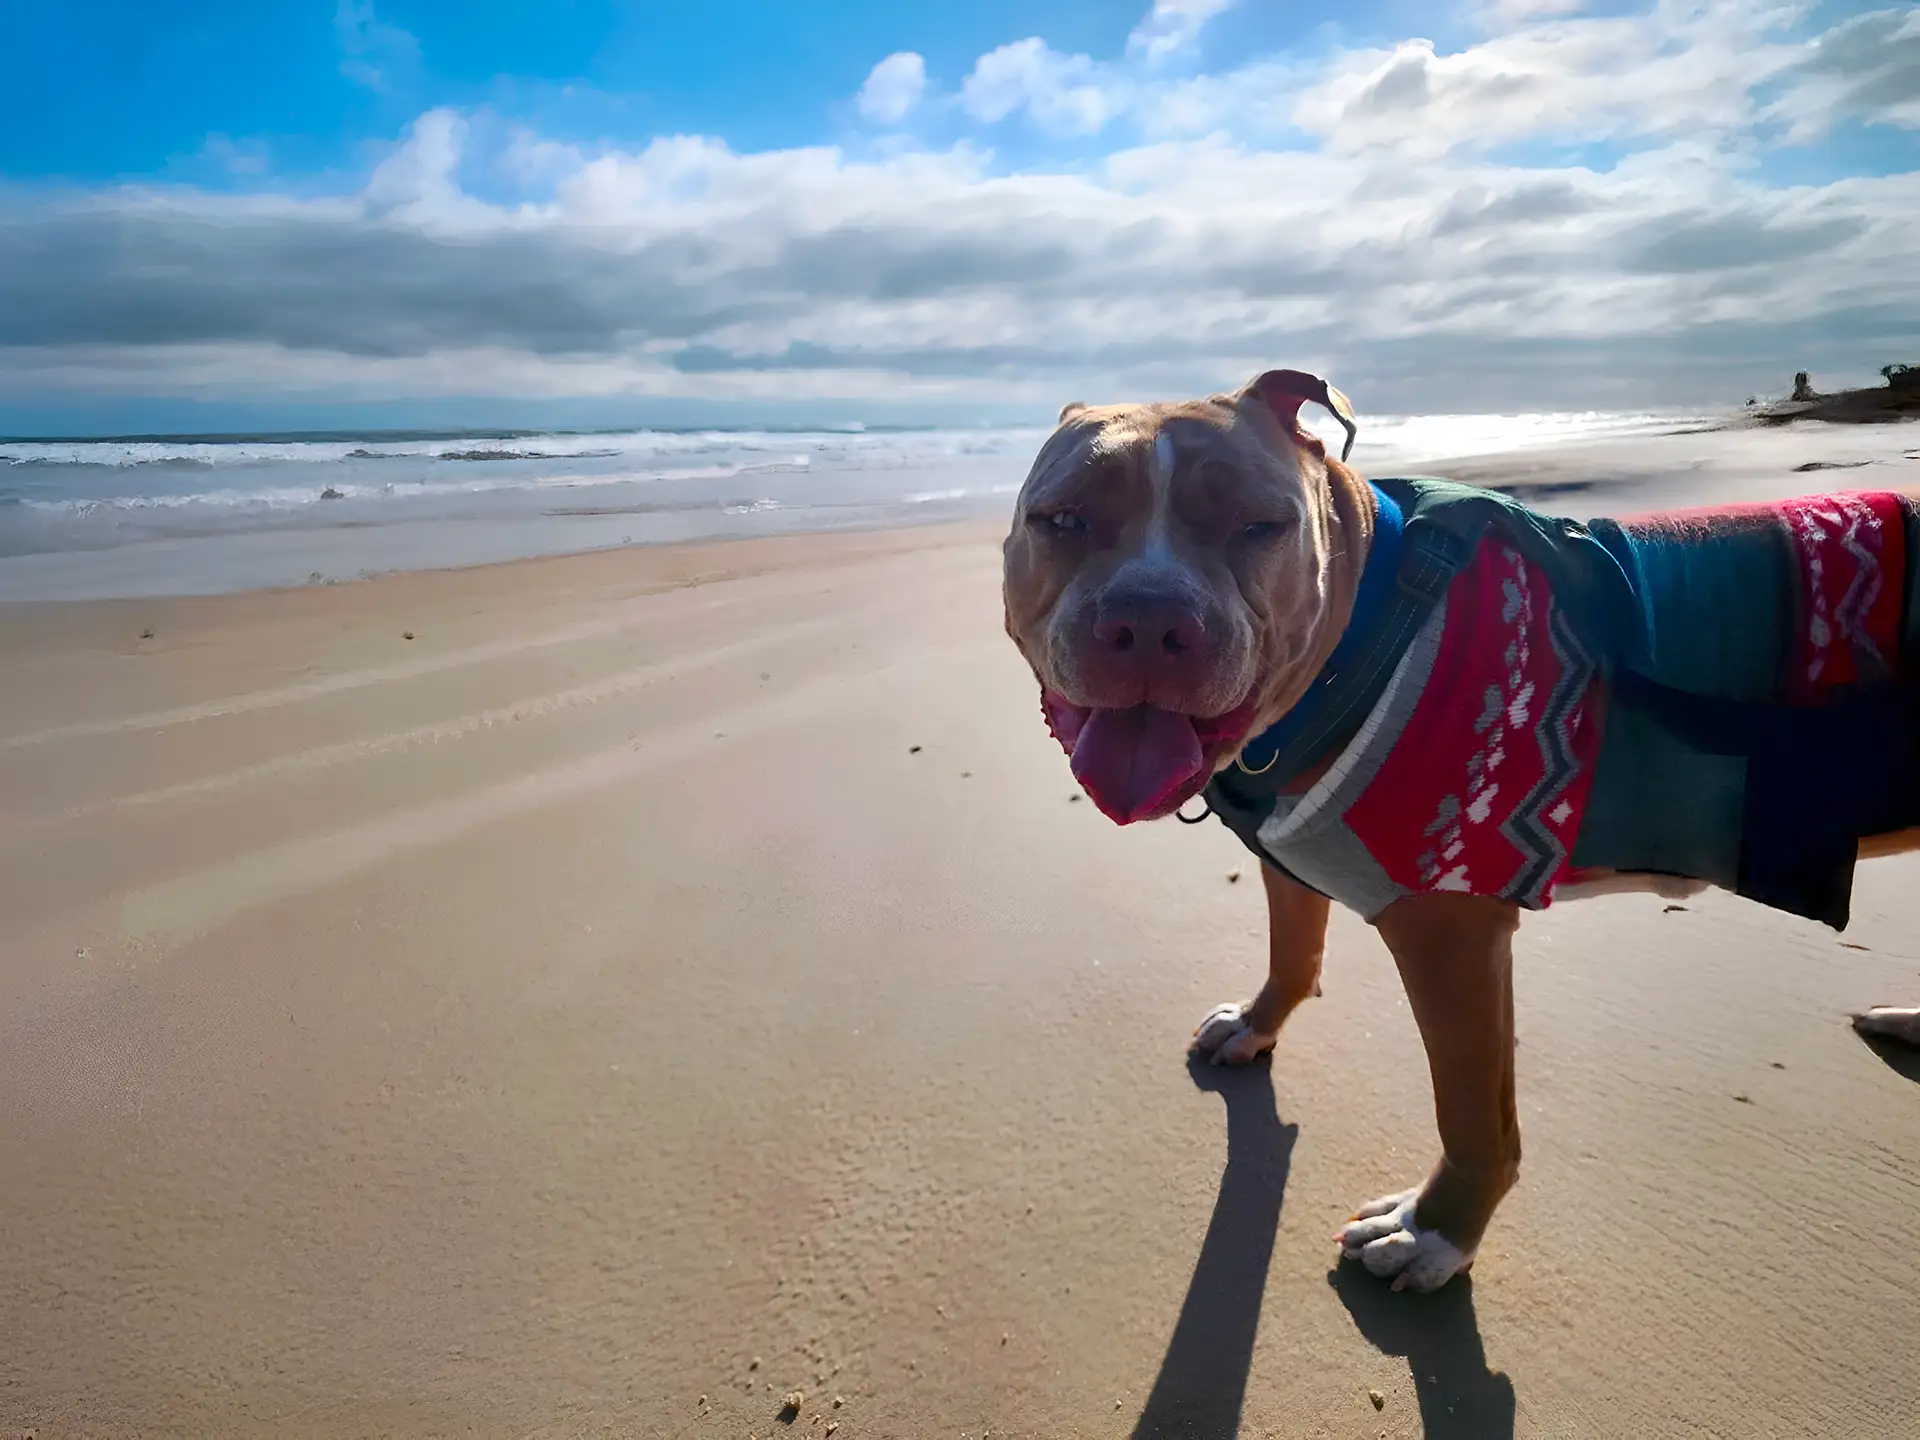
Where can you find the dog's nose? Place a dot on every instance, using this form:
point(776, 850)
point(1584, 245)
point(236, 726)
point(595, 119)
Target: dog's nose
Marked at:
point(1148, 627)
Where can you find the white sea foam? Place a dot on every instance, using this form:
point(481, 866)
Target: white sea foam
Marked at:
point(1396, 440)
point(459, 498)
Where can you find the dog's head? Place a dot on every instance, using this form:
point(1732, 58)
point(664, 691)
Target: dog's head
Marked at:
point(1168, 578)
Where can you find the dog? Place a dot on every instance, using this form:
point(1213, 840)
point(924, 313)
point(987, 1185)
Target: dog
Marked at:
point(1443, 709)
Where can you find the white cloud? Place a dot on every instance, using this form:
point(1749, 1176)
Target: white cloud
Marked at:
point(1071, 96)
point(419, 178)
point(1064, 94)
point(1867, 68)
point(1253, 102)
point(893, 88)
point(535, 164)
point(1172, 26)
point(1686, 70)
point(374, 53)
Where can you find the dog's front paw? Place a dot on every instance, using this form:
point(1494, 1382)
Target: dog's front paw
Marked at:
point(1226, 1038)
point(1383, 1237)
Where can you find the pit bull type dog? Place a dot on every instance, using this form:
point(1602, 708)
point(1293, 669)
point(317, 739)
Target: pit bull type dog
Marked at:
point(1441, 708)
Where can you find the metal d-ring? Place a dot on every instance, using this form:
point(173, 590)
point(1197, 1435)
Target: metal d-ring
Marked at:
point(1272, 760)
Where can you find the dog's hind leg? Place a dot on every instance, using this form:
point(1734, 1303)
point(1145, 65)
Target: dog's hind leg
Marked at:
point(1296, 940)
point(1455, 954)
point(1896, 842)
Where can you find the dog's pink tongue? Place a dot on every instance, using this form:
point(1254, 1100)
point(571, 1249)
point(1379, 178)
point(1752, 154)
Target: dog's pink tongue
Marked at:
point(1130, 761)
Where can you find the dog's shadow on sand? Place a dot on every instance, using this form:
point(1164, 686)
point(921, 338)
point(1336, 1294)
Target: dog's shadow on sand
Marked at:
point(1202, 1384)
point(1203, 1379)
point(1460, 1399)
point(1902, 1059)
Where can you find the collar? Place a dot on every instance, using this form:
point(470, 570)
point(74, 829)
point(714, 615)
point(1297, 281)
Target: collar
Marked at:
point(1370, 601)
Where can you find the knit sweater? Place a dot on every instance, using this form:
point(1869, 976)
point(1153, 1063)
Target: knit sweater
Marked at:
point(1520, 739)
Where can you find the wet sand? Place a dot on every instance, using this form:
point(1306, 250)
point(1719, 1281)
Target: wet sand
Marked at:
point(686, 973)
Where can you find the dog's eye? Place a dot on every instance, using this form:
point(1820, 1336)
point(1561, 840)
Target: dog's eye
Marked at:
point(1060, 522)
point(1263, 530)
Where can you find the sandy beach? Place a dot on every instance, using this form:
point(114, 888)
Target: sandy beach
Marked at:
point(601, 995)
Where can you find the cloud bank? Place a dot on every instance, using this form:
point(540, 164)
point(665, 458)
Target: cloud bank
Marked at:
point(1571, 211)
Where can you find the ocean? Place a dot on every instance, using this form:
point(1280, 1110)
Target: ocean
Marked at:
point(94, 518)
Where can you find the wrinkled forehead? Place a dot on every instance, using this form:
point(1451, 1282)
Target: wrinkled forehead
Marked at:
point(1158, 443)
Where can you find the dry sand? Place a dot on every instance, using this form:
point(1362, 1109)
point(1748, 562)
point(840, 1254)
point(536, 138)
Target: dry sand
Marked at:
point(684, 974)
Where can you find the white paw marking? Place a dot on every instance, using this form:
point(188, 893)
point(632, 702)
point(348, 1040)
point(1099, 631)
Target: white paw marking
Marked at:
point(1384, 1238)
point(1893, 1021)
point(1226, 1038)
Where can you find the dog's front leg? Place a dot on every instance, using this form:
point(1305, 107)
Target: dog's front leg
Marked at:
point(1236, 1032)
point(1455, 954)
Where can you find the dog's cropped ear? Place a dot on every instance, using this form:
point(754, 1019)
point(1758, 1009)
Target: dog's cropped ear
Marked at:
point(1071, 409)
point(1285, 391)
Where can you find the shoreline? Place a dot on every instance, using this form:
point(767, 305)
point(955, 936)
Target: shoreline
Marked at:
point(661, 552)
point(331, 556)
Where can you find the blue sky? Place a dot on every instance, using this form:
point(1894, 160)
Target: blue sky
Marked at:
point(417, 211)
point(132, 90)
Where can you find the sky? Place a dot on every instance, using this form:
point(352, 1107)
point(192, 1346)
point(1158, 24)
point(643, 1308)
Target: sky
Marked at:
point(322, 213)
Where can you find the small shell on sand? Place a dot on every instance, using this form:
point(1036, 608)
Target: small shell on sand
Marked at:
point(1233, 877)
point(1379, 1400)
